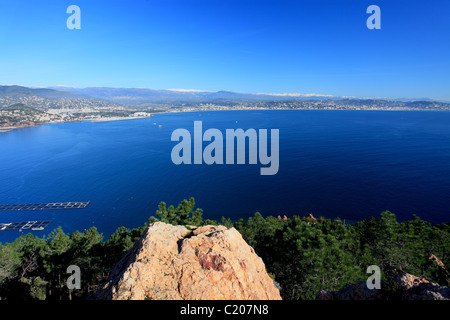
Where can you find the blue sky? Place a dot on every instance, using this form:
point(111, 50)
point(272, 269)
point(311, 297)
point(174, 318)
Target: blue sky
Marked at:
point(314, 46)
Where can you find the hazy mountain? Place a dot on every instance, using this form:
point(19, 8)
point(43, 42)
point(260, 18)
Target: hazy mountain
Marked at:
point(144, 95)
point(136, 96)
point(139, 95)
point(15, 91)
point(47, 98)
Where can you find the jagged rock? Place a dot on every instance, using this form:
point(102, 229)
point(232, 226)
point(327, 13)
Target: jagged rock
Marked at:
point(444, 274)
point(416, 288)
point(206, 263)
point(408, 287)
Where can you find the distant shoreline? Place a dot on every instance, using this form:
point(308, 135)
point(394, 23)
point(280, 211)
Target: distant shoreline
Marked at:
point(8, 129)
point(108, 119)
point(95, 120)
point(111, 119)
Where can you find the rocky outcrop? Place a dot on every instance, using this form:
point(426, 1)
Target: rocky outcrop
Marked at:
point(404, 287)
point(415, 288)
point(205, 263)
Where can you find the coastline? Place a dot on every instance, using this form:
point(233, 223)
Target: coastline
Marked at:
point(95, 120)
point(8, 129)
point(110, 119)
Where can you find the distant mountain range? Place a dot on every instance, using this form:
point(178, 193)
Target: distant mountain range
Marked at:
point(17, 91)
point(144, 96)
point(46, 98)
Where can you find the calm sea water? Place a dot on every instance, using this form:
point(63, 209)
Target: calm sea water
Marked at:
point(347, 164)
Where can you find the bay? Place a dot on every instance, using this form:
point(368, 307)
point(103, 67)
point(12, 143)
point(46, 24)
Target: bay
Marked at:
point(347, 164)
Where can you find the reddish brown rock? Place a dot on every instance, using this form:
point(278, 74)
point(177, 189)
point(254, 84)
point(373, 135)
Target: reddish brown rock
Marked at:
point(417, 288)
point(408, 287)
point(206, 263)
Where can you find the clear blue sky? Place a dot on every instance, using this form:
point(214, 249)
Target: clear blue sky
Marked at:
point(313, 46)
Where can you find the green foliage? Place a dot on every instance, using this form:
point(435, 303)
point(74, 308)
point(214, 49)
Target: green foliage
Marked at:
point(181, 215)
point(406, 246)
point(303, 255)
point(10, 262)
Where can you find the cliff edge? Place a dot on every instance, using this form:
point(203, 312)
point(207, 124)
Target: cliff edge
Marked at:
point(205, 263)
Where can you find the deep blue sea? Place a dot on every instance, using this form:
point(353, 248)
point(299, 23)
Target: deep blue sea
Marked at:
point(347, 164)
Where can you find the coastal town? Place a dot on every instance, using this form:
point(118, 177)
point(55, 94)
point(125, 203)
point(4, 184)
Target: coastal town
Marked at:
point(20, 116)
point(343, 104)
point(26, 111)
point(22, 107)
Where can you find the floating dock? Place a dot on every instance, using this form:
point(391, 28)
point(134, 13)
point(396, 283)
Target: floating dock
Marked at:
point(43, 206)
point(27, 225)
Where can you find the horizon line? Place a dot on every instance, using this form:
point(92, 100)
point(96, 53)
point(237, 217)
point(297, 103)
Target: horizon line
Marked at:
point(279, 94)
